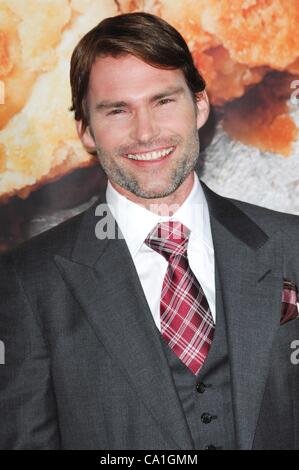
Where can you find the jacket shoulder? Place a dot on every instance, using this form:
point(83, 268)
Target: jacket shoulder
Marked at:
point(268, 217)
point(51, 241)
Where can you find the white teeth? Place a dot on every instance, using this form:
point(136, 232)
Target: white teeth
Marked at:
point(150, 155)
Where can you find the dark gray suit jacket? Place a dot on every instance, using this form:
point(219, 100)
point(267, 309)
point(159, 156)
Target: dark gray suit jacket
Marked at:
point(85, 367)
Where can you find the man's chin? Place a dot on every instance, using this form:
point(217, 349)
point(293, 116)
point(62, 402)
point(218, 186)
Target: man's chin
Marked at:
point(154, 192)
point(149, 188)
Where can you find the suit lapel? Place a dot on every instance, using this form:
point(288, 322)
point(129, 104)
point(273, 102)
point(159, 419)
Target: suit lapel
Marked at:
point(102, 277)
point(250, 278)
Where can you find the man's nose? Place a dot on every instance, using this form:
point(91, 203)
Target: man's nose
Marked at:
point(145, 127)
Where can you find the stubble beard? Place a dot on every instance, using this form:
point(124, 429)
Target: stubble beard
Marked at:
point(130, 182)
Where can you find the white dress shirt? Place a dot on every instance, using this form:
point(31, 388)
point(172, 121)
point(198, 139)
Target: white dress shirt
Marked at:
point(136, 222)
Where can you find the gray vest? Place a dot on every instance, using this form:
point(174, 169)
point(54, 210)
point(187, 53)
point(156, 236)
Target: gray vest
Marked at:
point(206, 398)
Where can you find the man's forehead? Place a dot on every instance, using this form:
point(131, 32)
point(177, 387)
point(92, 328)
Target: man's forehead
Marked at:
point(130, 75)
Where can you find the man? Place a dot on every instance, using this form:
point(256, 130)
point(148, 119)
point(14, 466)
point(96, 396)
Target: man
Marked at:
point(177, 330)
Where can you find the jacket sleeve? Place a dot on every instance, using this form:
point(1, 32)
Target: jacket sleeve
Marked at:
point(28, 416)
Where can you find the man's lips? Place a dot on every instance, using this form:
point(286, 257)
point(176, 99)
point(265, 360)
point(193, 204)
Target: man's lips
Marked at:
point(150, 156)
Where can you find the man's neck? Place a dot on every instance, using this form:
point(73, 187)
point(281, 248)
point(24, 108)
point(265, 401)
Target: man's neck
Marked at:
point(164, 206)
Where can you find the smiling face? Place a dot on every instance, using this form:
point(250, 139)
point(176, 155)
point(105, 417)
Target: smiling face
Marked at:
point(143, 124)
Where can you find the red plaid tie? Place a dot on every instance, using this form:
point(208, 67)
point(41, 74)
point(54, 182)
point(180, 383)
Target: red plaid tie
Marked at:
point(186, 320)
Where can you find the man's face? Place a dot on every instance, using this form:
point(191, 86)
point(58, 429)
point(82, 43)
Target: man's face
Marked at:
point(143, 125)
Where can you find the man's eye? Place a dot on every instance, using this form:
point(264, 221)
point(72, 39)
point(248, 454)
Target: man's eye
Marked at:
point(165, 101)
point(115, 111)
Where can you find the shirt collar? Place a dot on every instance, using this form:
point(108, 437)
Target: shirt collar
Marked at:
point(136, 222)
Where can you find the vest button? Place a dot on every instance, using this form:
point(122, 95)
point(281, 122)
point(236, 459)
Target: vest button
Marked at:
point(206, 418)
point(200, 387)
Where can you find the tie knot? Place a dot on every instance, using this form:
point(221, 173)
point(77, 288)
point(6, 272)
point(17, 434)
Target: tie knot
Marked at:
point(169, 239)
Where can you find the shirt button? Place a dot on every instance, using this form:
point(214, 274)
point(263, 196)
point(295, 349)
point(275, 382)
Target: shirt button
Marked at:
point(206, 418)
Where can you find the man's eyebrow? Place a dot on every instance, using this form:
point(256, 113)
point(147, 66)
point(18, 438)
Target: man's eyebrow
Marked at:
point(106, 104)
point(168, 92)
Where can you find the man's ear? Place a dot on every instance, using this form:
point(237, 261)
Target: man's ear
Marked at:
point(203, 108)
point(86, 137)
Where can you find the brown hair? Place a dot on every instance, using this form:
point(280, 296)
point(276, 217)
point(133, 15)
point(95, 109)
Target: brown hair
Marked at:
point(143, 35)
